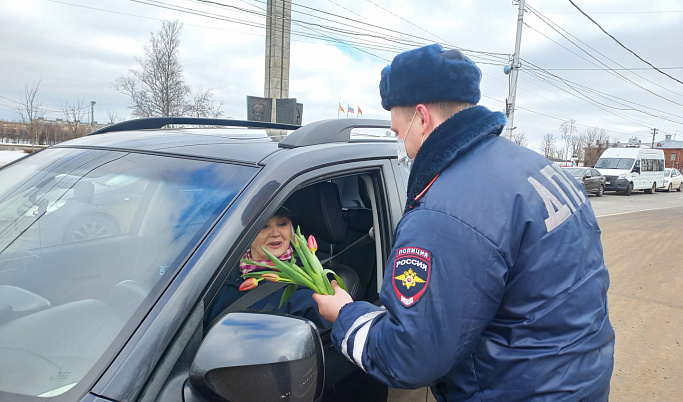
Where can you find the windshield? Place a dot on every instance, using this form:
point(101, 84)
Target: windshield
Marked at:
point(576, 172)
point(86, 239)
point(614, 163)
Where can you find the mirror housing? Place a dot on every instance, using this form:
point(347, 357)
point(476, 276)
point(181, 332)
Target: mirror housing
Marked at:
point(259, 356)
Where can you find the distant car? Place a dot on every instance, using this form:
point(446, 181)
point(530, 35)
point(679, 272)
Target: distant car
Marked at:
point(592, 180)
point(673, 180)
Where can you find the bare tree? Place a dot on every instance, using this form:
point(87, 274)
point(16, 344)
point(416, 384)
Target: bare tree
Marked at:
point(548, 147)
point(158, 87)
point(203, 105)
point(113, 117)
point(596, 141)
point(578, 145)
point(74, 114)
point(30, 110)
point(559, 154)
point(568, 132)
point(519, 138)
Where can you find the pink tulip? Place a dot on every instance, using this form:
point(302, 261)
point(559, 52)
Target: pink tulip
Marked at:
point(249, 284)
point(312, 244)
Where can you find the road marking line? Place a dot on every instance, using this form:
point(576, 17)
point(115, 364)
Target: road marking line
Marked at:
point(639, 210)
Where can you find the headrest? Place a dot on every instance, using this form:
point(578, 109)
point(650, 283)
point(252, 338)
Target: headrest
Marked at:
point(319, 212)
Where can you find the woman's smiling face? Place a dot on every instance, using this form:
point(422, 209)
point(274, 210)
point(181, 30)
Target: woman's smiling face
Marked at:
point(274, 237)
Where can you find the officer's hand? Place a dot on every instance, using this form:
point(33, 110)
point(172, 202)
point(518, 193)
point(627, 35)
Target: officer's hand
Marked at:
point(329, 306)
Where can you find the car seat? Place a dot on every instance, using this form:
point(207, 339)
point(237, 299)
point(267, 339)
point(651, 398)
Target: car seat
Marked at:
point(319, 213)
point(356, 206)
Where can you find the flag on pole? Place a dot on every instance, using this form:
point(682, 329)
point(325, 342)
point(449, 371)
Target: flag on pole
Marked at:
point(341, 109)
point(350, 109)
point(360, 112)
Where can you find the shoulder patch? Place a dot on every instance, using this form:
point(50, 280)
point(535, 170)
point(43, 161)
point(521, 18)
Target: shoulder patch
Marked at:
point(412, 269)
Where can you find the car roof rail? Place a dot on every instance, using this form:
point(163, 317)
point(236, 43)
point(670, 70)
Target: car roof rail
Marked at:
point(328, 131)
point(159, 122)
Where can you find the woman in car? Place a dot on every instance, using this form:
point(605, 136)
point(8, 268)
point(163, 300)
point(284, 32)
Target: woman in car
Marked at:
point(275, 237)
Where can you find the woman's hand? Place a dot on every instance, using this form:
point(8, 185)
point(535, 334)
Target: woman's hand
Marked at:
point(329, 306)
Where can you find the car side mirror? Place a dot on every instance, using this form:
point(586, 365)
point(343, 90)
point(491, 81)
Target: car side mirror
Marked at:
point(259, 356)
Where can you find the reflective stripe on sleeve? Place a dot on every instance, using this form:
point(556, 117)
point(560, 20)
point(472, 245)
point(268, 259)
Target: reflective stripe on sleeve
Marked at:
point(359, 343)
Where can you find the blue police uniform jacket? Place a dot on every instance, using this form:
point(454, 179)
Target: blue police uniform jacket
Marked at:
point(496, 288)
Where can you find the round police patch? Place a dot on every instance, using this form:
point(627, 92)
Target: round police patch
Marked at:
point(412, 267)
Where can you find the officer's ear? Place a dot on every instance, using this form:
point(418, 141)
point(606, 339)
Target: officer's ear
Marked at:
point(425, 121)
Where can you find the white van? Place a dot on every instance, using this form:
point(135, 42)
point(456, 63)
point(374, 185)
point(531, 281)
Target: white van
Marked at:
point(628, 169)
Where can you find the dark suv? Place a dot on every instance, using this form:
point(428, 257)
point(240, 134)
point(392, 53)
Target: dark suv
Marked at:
point(113, 247)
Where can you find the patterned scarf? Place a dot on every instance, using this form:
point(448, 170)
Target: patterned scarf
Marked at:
point(246, 267)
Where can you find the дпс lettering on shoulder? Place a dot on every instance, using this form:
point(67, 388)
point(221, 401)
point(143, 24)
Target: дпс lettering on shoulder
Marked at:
point(558, 211)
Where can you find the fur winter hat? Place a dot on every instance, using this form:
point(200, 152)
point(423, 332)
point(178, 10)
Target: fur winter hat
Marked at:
point(429, 74)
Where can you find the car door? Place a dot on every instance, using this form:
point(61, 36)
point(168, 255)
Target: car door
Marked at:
point(589, 181)
point(370, 198)
point(676, 178)
point(599, 179)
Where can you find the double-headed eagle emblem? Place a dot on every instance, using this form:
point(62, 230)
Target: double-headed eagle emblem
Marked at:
point(409, 278)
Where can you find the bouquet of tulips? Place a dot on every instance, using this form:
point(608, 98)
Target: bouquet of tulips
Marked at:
point(312, 274)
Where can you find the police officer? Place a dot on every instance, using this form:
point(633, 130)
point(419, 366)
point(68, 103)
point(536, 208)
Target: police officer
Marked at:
point(496, 288)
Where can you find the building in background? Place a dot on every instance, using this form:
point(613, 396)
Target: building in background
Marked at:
point(673, 152)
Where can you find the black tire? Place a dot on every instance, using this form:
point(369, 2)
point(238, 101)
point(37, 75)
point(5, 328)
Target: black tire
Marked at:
point(89, 227)
point(679, 188)
point(629, 189)
point(601, 191)
point(652, 190)
point(670, 188)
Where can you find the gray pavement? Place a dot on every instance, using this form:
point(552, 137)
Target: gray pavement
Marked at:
point(9, 156)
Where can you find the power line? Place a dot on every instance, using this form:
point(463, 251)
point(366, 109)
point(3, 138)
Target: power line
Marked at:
point(622, 45)
point(604, 95)
point(345, 31)
point(553, 117)
point(605, 69)
point(366, 29)
point(554, 26)
point(621, 12)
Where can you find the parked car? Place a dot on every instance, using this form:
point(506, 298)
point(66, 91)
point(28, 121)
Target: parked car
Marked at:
point(592, 180)
point(112, 308)
point(673, 180)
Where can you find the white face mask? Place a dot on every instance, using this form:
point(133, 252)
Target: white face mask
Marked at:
point(404, 161)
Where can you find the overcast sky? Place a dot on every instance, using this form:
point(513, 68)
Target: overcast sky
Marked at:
point(571, 70)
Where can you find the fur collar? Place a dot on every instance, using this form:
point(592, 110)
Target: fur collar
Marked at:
point(453, 137)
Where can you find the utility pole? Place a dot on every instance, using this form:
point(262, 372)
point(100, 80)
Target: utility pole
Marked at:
point(654, 132)
point(92, 113)
point(513, 70)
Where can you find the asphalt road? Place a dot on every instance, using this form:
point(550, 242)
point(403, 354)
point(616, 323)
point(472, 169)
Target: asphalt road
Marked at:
point(642, 240)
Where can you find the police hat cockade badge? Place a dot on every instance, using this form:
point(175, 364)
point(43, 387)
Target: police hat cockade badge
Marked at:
point(412, 267)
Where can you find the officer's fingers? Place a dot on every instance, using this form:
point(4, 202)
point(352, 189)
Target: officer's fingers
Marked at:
point(318, 297)
point(335, 286)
